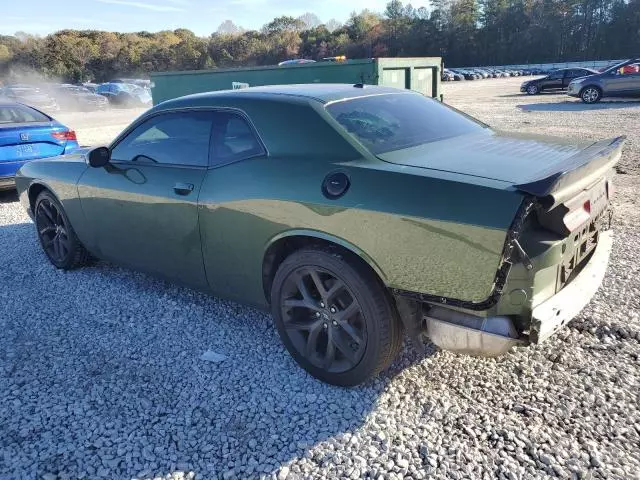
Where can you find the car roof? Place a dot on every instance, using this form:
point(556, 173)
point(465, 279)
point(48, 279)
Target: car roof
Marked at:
point(320, 92)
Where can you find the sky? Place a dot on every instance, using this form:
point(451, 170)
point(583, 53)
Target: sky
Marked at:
point(201, 16)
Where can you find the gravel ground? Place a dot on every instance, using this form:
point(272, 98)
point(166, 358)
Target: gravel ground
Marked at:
point(101, 373)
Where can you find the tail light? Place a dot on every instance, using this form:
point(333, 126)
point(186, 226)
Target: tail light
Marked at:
point(577, 217)
point(68, 135)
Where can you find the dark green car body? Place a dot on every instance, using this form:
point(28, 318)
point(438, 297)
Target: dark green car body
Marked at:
point(447, 223)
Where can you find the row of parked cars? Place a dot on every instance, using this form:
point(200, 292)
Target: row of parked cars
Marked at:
point(458, 74)
point(590, 85)
point(52, 97)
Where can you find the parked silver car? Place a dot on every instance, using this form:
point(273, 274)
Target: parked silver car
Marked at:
point(622, 80)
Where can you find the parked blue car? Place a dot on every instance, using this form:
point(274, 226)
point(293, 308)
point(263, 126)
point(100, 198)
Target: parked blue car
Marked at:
point(28, 134)
point(124, 94)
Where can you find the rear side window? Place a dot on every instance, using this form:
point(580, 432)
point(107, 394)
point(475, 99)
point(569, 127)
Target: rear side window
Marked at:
point(177, 138)
point(233, 139)
point(578, 73)
point(21, 114)
point(388, 122)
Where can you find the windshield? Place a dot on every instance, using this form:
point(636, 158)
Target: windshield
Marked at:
point(394, 121)
point(616, 66)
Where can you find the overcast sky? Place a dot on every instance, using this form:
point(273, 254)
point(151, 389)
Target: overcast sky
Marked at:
point(201, 16)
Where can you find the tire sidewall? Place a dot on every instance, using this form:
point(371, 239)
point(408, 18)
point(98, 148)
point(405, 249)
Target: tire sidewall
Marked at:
point(337, 266)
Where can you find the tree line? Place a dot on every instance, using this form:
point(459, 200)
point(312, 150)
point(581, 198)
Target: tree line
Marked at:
point(463, 32)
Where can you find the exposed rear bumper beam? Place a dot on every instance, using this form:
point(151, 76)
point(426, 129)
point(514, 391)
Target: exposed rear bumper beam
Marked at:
point(552, 314)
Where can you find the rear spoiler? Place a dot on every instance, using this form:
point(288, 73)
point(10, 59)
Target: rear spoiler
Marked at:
point(578, 173)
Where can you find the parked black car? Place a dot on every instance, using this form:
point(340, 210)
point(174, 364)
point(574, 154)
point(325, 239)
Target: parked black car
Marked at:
point(556, 80)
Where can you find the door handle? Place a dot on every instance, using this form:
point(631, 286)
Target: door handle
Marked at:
point(183, 188)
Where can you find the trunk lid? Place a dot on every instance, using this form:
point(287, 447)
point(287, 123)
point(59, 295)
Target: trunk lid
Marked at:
point(552, 168)
point(27, 141)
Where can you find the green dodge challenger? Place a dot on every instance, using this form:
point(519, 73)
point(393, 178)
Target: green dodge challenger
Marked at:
point(356, 214)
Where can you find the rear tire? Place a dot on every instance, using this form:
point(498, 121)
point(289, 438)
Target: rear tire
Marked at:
point(334, 316)
point(591, 94)
point(57, 237)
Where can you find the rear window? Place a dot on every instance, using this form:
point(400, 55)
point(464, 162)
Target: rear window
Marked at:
point(388, 122)
point(21, 114)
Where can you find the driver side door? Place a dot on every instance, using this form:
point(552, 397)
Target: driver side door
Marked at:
point(142, 207)
point(625, 81)
point(554, 80)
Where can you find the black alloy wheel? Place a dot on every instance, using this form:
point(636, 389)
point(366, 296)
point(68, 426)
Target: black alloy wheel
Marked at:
point(57, 237)
point(53, 231)
point(323, 319)
point(334, 315)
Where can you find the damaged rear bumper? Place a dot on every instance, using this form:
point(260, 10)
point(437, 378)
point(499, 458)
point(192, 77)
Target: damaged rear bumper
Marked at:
point(555, 312)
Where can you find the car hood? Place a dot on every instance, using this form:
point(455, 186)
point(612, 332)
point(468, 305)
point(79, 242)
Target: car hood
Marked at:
point(534, 80)
point(507, 157)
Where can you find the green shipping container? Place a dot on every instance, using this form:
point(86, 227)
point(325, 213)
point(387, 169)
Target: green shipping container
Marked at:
point(419, 74)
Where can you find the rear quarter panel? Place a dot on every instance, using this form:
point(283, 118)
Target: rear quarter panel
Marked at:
point(421, 233)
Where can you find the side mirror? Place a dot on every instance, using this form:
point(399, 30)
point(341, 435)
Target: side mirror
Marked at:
point(99, 157)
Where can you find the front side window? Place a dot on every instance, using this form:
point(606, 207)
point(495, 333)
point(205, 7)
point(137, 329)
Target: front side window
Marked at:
point(233, 139)
point(388, 122)
point(631, 69)
point(556, 75)
point(177, 138)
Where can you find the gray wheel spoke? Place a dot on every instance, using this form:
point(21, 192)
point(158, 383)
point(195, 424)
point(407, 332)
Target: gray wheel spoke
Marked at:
point(330, 352)
point(318, 283)
point(345, 348)
point(47, 212)
point(348, 312)
point(295, 303)
point(47, 242)
point(302, 325)
point(46, 230)
point(336, 288)
point(302, 288)
point(312, 339)
point(349, 330)
point(56, 247)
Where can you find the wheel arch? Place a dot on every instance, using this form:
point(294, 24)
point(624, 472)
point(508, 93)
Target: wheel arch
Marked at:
point(284, 244)
point(592, 85)
point(35, 189)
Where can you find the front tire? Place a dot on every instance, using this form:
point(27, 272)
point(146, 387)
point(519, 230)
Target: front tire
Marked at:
point(533, 90)
point(56, 235)
point(591, 95)
point(334, 316)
